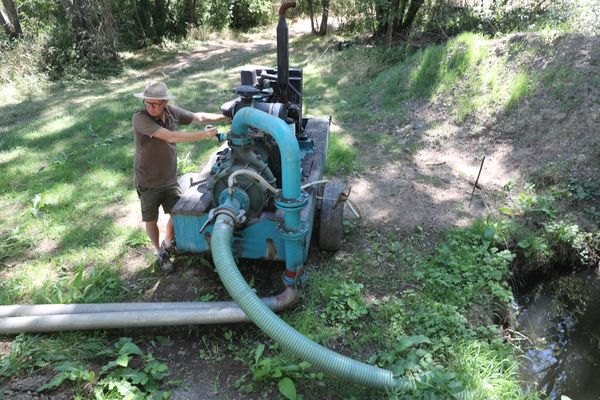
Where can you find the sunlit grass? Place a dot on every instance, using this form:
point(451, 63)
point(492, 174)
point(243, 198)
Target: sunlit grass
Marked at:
point(518, 88)
point(488, 370)
point(340, 156)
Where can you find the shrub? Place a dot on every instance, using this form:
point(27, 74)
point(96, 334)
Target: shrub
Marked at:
point(246, 14)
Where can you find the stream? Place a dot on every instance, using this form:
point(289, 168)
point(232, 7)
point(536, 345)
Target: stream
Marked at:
point(561, 318)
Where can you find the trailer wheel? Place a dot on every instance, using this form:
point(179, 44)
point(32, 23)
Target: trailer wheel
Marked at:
point(332, 213)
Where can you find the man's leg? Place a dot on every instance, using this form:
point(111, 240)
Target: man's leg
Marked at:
point(153, 233)
point(170, 231)
point(150, 200)
point(172, 196)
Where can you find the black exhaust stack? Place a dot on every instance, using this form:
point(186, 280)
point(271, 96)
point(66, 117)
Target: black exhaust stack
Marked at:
point(283, 56)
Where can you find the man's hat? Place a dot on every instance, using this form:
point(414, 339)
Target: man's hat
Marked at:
point(155, 90)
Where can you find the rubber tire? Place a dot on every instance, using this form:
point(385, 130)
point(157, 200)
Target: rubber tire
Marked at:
point(331, 228)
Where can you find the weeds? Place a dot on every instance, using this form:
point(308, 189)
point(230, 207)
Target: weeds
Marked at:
point(30, 352)
point(119, 378)
point(12, 244)
point(345, 305)
point(275, 369)
point(96, 285)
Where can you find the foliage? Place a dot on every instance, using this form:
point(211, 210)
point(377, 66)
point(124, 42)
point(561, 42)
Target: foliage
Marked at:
point(542, 239)
point(96, 285)
point(12, 244)
point(247, 14)
point(470, 261)
point(276, 369)
point(31, 352)
point(345, 305)
point(132, 375)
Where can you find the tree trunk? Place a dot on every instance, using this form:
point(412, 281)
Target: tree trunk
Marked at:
point(8, 27)
point(160, 17)
point(10, 19)
point(75, 13)
point(311, 13)
point(190, 7)
point(148, 22)
point(381, 18)
point(393, 17)
point(407, 23)
point(323, 29)
point(136, 16)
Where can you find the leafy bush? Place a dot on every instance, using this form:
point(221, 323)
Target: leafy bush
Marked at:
point(119, 378)
point(246, 14)
point(468, 260)
point(345, 304)
point(276, 369)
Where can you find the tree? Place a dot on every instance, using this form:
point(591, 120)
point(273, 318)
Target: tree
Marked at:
point(190, 8)
point(316, 29)
point(400, 19)
point(324, 16)
point(159, 16)
point(94, 28)
point(10, 19)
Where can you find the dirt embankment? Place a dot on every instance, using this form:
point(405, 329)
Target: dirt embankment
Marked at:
point(549, 138)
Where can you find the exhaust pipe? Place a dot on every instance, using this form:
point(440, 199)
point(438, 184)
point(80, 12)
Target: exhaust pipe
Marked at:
point(283, 57)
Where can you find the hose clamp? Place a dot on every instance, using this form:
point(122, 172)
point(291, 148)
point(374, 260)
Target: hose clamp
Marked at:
point(295, 279)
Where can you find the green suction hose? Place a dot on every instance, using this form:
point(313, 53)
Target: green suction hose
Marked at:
point(290, 339)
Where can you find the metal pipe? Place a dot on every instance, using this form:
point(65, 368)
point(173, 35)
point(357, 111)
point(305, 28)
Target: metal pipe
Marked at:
point(283, 58)
point(286, 141)
point(291, 200)
point(60, 317)
point(266, 185)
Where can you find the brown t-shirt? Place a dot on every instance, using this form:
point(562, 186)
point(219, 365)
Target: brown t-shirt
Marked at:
point(155, 162)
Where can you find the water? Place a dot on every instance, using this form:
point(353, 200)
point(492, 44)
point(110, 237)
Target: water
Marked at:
point(561, 317)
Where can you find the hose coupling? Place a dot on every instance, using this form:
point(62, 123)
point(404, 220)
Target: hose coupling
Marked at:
point(295, 279)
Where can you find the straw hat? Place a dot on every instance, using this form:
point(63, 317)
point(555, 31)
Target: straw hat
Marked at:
point(155, 90)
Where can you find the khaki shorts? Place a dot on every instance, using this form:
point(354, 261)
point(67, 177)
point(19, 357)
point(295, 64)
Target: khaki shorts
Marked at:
point(152, 198)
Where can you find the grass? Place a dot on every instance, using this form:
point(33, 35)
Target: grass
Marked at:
point(66, 157)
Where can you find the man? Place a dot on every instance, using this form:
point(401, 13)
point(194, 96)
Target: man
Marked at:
point(155, 132)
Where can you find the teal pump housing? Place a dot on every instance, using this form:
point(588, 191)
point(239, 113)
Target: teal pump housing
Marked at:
point(274, 215)
point(269, 176)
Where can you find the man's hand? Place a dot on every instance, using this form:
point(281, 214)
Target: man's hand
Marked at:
point(211, 130)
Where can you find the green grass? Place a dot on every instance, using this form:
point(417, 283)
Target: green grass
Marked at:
point(66, 156)
point(518, 88)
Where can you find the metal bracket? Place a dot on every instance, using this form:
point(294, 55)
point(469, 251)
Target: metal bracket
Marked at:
point(345, 198)
point(209, 220)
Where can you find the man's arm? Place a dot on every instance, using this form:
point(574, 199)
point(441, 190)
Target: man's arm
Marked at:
point(202, 117)
point(181, 137)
